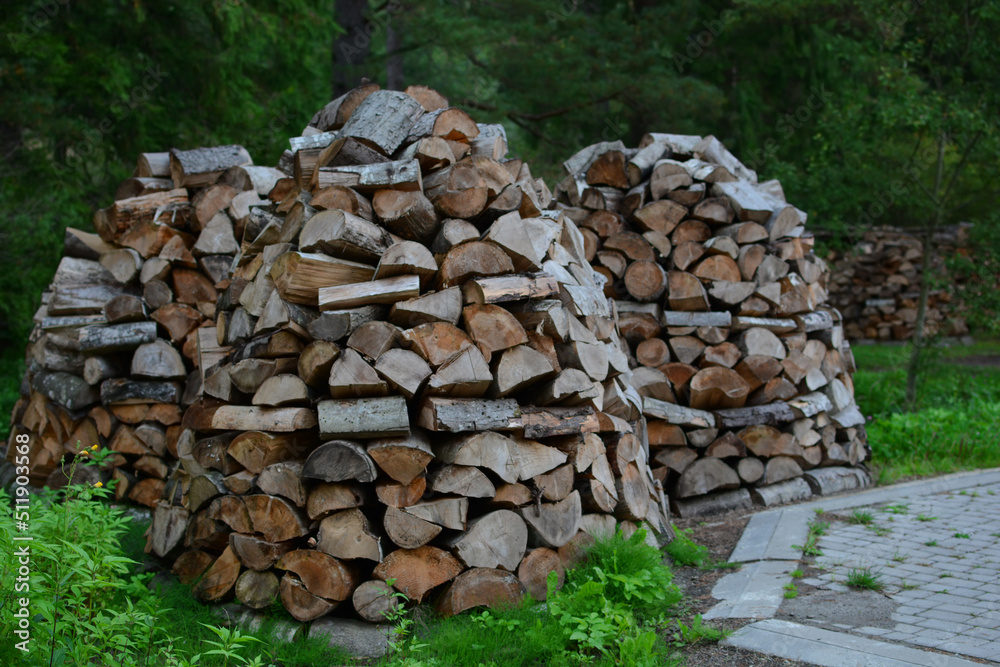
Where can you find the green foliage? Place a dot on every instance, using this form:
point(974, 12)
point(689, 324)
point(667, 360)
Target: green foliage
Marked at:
point(87, 607)
point(606, 614)
point(976, 277)
point(861, 517)
point(684, 551)
point(955, 420)
point(696, 632)
point(88, 86)
point(865, 577)
point(791, 590)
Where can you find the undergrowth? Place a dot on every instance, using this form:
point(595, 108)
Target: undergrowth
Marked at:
point(954, 423)
point(611, 610)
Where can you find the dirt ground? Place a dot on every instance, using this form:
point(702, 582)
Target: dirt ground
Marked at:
point(720, 534)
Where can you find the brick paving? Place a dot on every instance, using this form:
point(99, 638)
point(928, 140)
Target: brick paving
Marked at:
point(938, 557)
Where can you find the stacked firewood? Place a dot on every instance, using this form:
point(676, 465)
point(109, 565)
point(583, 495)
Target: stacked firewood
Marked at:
point(876, 285)
point(743, 370)
point(424, 382)
point(113, 357)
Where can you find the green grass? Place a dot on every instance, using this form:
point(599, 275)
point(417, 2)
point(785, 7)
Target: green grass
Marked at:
point(861, 517)
point(791, 591)
point(865, 577)
point(607, 613)
point(956, 417)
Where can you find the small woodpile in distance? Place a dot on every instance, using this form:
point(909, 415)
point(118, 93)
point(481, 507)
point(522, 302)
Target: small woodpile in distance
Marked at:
point(423, 381)
point(876, 284)
point(743, 370)
point(112, 359)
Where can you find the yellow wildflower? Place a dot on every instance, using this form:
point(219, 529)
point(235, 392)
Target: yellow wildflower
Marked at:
point(94, 448)
point(99, 484)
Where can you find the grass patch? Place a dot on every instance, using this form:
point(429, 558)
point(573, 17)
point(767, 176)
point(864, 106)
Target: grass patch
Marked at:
point(962, 536)
point(791, 591)
point(685, 551)
point(607, 613)
point(954, 421)
point(797, 574)
point(817, 529)
point(924, 517)
point(861, 517)
point(865, 578)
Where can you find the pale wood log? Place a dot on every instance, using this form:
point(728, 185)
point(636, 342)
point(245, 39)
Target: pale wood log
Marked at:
point(167, 530)
point(779, 469)
point(677, 414)
point(474, 259)
point(443, 306)
point(446, 512)
point(520, 367)
point(660, 216)
point(509, 288)
point(338, 111)
point(704, 476)
point(203, 166)
point(352, 377)
point(686, 349)
point(464, 374)
point(299, 276)
point(403, 370)
point(334, 325)
point(494, 540)
point(452, 233)
point(407, 258)
point(555, 485)
point(760, 341)
point(385, 291)
point(465, 481)
point(364, 418)
point(347, 534)
point(282, 390)
point(408, 531)
point(369, 178)
point(553, 524)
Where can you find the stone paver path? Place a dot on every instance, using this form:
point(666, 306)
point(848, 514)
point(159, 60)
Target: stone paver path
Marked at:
point(938, 557)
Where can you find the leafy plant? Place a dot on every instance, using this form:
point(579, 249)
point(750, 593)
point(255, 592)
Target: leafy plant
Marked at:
point(866, 578)
point(791, 591)
point(861, 517)
point(684, 551)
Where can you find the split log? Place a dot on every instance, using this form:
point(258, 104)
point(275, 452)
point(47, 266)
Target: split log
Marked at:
point(415, 572)
point(481, 587)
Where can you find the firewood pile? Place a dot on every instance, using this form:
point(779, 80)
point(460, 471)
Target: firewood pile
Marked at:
point(113, 357)
point(744, 372)
point(423, 381)
point(876, 285)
